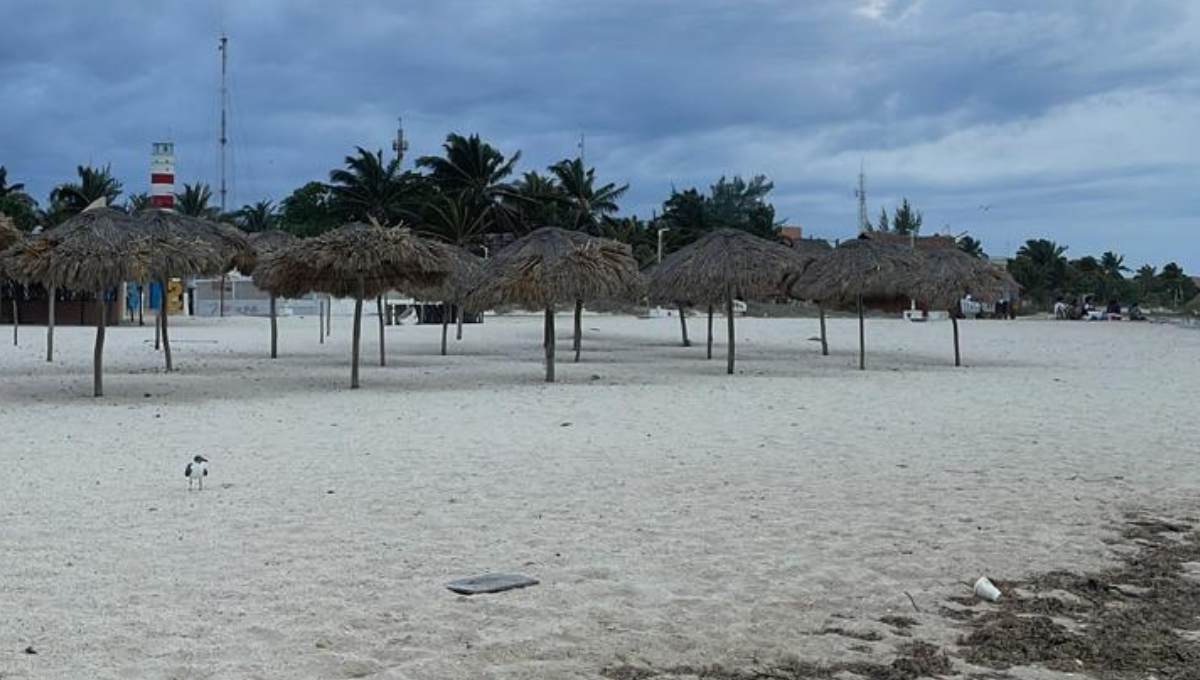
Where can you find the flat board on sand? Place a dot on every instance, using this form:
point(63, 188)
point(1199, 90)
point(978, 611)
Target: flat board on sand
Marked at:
point(490, 583)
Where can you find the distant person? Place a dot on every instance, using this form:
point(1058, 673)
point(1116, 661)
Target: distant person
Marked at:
point(1113, 311)
point(1135, 313)
point(1060, 309)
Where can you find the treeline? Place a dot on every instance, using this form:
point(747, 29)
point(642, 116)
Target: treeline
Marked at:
point(1046, 273)
point(472, 196)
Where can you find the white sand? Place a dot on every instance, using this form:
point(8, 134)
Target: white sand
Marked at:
point(673, 514)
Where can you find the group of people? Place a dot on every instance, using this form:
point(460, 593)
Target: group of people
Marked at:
point(1084, 308)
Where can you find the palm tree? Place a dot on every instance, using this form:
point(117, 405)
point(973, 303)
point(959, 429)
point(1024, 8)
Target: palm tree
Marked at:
point(137, 202)
point(194, 201)
point(449, 218)
point(71, 198)
point(260, 216)
point(586, 203)
point(636, 234)
point(971, 246)
point(1040, 267)
point(16, 203)
point(475, 170)
point(1113, 264)
point(535, 201)
point(368, 188)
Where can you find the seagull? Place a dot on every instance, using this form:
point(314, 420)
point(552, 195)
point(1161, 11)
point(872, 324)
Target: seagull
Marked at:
point(196, 470)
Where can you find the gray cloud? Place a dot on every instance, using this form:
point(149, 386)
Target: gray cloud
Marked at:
point(1074, 119)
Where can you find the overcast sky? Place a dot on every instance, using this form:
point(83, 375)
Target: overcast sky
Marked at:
point(1077, 120)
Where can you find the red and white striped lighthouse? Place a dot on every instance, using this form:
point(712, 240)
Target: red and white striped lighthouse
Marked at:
point(162, 175)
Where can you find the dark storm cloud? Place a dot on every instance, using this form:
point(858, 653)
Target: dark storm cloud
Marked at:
point(1073, 119)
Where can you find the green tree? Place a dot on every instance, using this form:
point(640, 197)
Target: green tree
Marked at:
point(1113, 264)
point(1041, 268)
point(534, 201)
point(450, 218)
point(71, 198)
point(309, 211)
point(1174, 287)
point(260, 216)
point(196, 201)
point(369, 188)
point(971, 246)
point(586, 204)
point(907, 220)
point(883, 225)
point(737, 204)
point(477, 171)
point(688, 217)
point(638, 235)
point(138, 202)
point(17, 204)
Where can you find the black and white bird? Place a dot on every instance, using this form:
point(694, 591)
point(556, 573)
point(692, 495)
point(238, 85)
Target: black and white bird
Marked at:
point(196, 471)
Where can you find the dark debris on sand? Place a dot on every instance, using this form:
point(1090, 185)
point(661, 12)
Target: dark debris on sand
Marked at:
point(1132, 623)
point(915, 660)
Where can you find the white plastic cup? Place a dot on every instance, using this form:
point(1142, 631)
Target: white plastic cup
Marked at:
point(987, 590)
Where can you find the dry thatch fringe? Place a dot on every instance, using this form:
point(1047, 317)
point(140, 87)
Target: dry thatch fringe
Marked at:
point(263, 243)
point(225, 245)
point(947, 274)
point(465, 268)
point(98, 249)
point(725, 260)
point(553, 266)
point(9, 236)
point(336, 262)
point(859, 269)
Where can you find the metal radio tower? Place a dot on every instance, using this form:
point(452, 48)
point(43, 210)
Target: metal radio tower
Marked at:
point(401, 144)
point(864, 223)
point(223, 48)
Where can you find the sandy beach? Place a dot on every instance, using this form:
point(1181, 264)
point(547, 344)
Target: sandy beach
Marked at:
point(674, 515)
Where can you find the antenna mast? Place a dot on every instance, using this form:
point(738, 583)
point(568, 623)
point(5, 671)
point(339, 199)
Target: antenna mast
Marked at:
point(223, 48)
point(401, 144)
point(864, 223)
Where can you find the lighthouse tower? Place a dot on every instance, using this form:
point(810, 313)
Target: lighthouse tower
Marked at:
point(162, 175)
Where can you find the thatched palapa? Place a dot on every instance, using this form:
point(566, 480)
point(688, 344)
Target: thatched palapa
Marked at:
point(356, 260)
point(214, 248)
point(855, 271)
point(554, 266)
point(947, 275)
point(720, 266)
point(264, 244)
point(98, 250)
point(464, 272)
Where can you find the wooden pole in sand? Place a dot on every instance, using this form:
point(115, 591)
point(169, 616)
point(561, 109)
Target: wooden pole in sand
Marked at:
point(321, 319)
point(729, 313)
point(458, 318)
point(954, 323)
point(358, 304)
point(824, 341)
point(862, 338)
point(446, 326)
point(578, 328)
point(710, 324)
point(50, 325)
point(683, 327)
point(549, 342)
point(382, 350)
point(16, 315)
point(166, 339)
point(98, 351)
point(328, 315)
point(274, 330)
